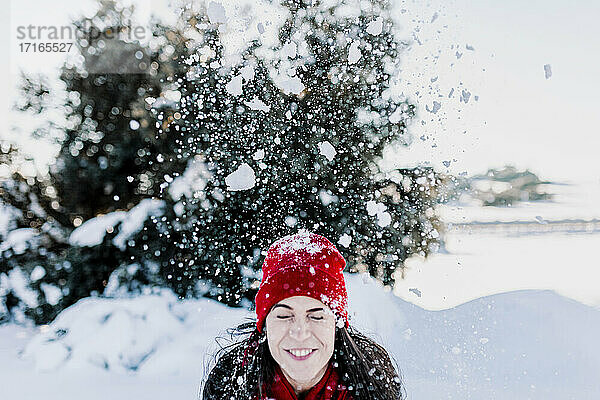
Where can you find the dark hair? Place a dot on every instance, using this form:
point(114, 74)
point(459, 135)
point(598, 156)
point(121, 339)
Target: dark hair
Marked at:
point(243, 366)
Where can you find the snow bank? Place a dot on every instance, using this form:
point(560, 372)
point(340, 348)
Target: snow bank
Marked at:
point(149, 334)
point(524, 344)
point(476, 264)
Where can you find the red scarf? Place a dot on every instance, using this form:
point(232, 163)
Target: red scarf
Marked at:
point(328, 388)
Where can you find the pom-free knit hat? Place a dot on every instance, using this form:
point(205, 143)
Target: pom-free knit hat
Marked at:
point(304, 264)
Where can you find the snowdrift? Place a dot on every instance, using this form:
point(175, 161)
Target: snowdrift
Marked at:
point(518, 345)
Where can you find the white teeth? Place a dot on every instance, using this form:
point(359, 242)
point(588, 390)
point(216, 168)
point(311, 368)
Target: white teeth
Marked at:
point(300, 353)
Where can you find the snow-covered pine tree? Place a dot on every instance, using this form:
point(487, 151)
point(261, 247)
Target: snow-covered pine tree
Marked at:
point(108, 158)
point(108, 162)
point(289, 138)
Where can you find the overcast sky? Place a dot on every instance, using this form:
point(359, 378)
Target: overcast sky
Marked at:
point(548, 125)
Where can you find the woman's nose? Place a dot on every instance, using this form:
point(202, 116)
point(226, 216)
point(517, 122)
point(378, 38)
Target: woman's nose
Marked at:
point(299, 330)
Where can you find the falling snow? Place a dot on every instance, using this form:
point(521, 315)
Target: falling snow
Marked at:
point(547, 71)
point(354, 53)
point(465, 95)
point(216, 13)
point(257, 104)
point(234, 87)
point(289, 50)
point(345, 240)
point(436, 107)
point(259, 155)
point(247, 72)
point(326, 149)
point(379, 209)
point(289, 85)
point(375, 27)
point(134, 125)
point(243, 178)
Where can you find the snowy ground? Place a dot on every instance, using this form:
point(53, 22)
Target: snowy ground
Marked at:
point(481, 262)
point(469, 322)
point(518, 345)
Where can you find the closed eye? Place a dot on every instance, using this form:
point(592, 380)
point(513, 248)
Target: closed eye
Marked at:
point(283, 316)
point(316, 318)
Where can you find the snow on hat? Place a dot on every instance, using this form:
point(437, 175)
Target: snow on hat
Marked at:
point(304, 264)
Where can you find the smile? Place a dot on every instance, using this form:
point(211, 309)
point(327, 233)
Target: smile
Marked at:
point(300, 354)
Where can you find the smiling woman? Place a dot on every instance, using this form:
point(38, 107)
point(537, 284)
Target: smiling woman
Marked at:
point(300, 333)
point(301, 345)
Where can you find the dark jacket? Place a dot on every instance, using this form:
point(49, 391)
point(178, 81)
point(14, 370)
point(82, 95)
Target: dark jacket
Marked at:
point(228, 380)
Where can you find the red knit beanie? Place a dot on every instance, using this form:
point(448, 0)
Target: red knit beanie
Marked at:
point(304, 264)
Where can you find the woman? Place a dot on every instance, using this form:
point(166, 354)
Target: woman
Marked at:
point(301, 345)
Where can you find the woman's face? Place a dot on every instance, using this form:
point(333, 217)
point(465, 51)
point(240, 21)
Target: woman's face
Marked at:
point(300, 333)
